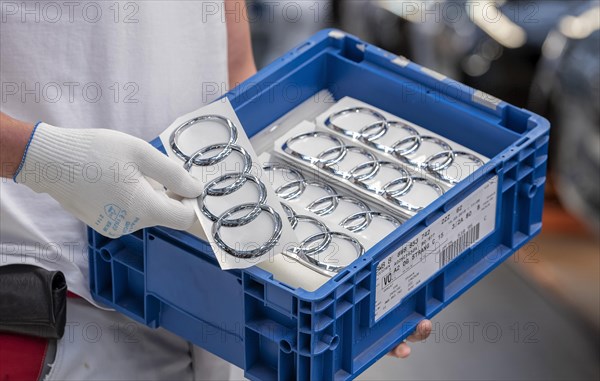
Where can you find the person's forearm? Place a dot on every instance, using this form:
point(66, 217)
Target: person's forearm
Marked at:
point(14, 136)
point(239, 47)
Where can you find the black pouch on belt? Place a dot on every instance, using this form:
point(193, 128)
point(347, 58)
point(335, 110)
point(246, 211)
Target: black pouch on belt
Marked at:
point(33, 301)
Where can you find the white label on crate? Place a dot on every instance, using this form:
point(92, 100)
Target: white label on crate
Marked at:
point(434, 247)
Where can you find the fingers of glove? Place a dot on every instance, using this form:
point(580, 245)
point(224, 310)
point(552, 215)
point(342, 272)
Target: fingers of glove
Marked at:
point(165, 211)
point(189, 202)
point(156, 185)
point(168, 172)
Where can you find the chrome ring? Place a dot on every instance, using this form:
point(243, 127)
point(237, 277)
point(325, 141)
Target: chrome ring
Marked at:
point(475, 158)
point(366, 221)
point(268, 245)
point(271, 167)
point(404, 157)
point(375, 164)
point(347, 174)
point(298, 185)
point(330, 201)
point(239, 177)
point(239, 149)
point(450, 180)
point(286, 147)
point(327, 188)
point(413, 136)
point(319, 184)
point(388, 217)
point(328, 209)
point(360, 250)
point(291, 215)
point(353, 200)
point(388, 164)
point(233, 135)
point(208, 191)
point(300, 249)
point(300, 182)
point(380, 127)
point(416, 143)
point(430, 165)
point(329, 122)
point(408, 206)
point(370, 214)
point(407, 180)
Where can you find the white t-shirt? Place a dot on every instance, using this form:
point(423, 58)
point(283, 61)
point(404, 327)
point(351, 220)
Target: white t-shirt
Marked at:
point(133, 67)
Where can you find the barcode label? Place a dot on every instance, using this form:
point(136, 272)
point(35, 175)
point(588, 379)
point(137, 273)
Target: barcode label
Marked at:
point(435, 247)
point(466, 239)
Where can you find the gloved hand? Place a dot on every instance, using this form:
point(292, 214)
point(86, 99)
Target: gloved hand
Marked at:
point(100, 176)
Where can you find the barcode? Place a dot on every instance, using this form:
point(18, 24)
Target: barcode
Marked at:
point(454, 248)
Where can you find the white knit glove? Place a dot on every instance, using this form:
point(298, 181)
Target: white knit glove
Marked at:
point(100, 177)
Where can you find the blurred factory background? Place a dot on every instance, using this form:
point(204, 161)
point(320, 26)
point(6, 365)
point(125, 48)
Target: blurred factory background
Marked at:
point(537, 317)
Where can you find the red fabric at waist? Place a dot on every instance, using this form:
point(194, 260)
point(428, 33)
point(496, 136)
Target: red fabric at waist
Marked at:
point(21, 357)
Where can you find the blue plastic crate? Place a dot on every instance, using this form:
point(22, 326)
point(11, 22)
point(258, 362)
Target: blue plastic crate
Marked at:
point(167, 278)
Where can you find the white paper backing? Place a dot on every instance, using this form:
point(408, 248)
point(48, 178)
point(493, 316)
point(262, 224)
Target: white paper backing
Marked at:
point(253, 233)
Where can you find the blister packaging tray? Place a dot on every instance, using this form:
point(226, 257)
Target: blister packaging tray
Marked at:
point(161, 277)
